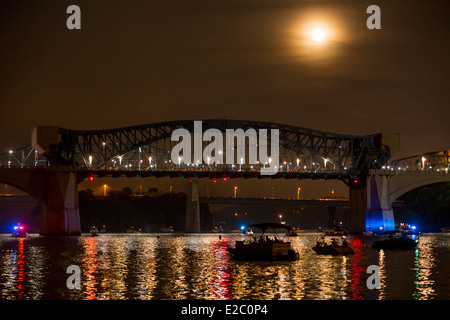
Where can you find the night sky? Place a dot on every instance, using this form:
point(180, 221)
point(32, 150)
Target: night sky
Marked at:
point(136, 62)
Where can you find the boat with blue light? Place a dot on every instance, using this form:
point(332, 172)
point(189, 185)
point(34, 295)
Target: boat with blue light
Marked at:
point(19, 231)
point(408, 229)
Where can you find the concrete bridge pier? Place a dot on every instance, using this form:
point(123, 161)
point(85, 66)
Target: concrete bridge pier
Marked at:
point(192, 207)
point(56, 189)
point(61, 214)
point(331, 215)
point(371, 205)
point(356, 218)
point(379, 212)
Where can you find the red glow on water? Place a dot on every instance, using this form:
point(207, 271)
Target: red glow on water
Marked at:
point(357, 271)
point(357, 242)
point(90, 260)
point(221, 283)
point(21, 268)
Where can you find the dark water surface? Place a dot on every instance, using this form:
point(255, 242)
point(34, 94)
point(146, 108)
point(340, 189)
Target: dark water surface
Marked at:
point(169, 266)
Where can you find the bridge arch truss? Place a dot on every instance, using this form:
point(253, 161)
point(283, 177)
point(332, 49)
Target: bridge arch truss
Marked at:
point(146, 149)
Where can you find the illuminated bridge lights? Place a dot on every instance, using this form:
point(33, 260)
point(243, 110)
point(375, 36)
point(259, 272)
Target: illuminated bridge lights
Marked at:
point(304, 153)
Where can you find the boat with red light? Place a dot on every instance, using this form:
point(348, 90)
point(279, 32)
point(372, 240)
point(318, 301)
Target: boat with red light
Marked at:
point(19, 231)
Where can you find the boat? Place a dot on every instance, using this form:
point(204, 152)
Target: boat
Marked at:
point(368, 232)
point(167, 229)
point(94, 231)
point(265, 248)
point(19, 232)
point(132, 230)
point(445, 229)
point(335, 231)
point(333, 248)
point(405, 228)
point(246, 230)
point(403, 243)
point(215, 230)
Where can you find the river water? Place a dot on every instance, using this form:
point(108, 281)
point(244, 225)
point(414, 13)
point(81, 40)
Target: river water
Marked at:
point(174, 267)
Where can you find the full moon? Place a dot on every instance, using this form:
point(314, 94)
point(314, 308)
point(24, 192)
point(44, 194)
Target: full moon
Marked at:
point(318, 35)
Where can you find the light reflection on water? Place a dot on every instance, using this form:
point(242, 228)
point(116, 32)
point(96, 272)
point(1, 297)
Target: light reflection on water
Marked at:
point(123, 266)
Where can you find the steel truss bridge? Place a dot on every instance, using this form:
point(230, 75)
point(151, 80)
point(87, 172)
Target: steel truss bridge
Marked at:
point(145, 150)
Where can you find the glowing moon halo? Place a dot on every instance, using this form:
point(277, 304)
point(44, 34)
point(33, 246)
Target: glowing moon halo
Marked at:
point(318, 35)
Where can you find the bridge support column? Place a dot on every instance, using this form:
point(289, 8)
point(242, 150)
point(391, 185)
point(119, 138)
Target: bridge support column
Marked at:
point(331, 215)
point(56, 189)
point(192, 207)
point(356, 219)
point(60, 214)
point(380, 216)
